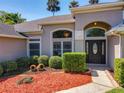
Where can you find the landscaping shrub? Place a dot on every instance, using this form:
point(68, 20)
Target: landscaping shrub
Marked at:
point(23, 62)
point(40, 67)
point(1, 70)
point(34, 60)
point(9, 66)
point(119, 71)
point(55, 62)
point(43, 60)
point(74, 62)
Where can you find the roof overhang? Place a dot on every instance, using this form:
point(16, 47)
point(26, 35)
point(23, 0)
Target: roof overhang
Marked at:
point(33, 32)
point(12, 36)
point(116, 30)
point(55, 23)
point(98, 7)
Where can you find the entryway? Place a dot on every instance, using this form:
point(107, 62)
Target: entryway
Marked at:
point(96, 51)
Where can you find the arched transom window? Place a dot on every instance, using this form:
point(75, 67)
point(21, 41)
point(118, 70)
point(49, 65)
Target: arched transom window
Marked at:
point(62, 34)
point(95, 32)
point(62, 42)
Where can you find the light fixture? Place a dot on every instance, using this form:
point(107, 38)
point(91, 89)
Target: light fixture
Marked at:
point(66, 34)
point(95, 23)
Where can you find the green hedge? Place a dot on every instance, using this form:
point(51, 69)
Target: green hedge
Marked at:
point(9, 66)
point(74, 62)
point(55, 62)
point(119, 71)
point(1, 70)
point(33, 60)
point(23, 62)
point(43, 60)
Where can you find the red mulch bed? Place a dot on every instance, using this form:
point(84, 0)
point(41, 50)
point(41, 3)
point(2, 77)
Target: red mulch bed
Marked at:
point(44, 82)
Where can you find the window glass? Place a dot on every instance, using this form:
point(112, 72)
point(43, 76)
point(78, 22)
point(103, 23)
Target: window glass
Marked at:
point(34, 49)
point(34, 40)
point(95, 32)
point(67, 47)
point(62, 34)
point(95, 48)
point(57, 48)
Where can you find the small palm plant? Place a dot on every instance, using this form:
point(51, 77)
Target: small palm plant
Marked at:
point(73, 4)
point(94, 1)
point(53, 6)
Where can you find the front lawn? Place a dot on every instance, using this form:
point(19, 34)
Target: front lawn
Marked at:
point(116, 90)
point(48, 81)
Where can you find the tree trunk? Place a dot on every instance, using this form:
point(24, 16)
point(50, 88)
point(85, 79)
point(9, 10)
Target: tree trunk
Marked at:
point(53, 13)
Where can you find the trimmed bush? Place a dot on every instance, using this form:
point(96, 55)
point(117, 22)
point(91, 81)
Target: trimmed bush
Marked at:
point(55, 62)
point(23, 62)
point(119, 71)
point(9, 66)
point(1, 70)
point(43, 60)
point(74, 62)
point(34, 60)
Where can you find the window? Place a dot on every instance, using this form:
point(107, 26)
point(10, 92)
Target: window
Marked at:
point(95, 32)
point(62, 42)
point(62, 34)
point(34, 40)
point(61, 47)
point(57, 48)
point(34, 47)
point(67, 47)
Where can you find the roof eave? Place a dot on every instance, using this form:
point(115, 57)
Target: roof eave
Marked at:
point(54, 23)
point(98, 7)
point(33, 33)
point(12, 36)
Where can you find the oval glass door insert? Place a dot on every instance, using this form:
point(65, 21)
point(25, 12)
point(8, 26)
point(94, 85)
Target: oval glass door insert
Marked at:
point(95, 48)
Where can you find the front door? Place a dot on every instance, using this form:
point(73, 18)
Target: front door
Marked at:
point(96, 51)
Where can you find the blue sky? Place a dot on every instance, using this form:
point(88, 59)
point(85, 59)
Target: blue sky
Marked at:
point(34, 9)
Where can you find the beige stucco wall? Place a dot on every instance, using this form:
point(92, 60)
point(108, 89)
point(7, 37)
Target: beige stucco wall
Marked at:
point(12, 48)
point(113, 18)
point(113, 49)
point(46, 48)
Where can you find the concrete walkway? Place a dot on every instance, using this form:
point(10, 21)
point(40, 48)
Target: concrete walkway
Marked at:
point(101, 83)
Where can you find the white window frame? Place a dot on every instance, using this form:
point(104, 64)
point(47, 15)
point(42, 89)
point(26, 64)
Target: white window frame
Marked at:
point(95, 38)
point(29, 42)
point(59, 39)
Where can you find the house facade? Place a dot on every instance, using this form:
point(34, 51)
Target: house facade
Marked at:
point(95, 29)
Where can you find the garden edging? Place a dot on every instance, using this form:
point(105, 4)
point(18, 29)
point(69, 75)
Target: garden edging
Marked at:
point(111, 78)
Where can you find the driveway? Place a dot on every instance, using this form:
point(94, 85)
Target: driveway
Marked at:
point(101, 83)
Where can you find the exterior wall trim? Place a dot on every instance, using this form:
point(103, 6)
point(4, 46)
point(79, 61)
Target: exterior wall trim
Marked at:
point(62, 22)
point(98, 7)
point(98, 10)
point(12, 36)
point(51, 40)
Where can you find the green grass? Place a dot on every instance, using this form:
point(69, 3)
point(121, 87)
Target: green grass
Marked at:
point(116, 90)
